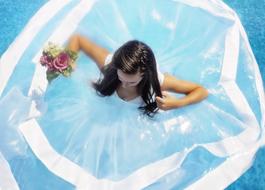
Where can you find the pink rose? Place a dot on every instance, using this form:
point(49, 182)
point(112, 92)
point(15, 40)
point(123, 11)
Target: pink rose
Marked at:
point(61, 62)
point(45, 60)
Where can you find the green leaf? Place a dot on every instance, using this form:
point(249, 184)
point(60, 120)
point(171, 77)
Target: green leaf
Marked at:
point(50, 75)
point(73, 55)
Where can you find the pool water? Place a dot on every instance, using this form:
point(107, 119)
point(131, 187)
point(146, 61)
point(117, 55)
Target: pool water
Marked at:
point(15, 14)
point(252, 15)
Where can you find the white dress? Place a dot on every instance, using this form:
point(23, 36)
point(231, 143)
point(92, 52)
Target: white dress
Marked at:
point(110, 143)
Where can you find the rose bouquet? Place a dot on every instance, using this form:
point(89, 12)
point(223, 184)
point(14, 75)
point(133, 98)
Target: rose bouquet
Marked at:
point(58, 60)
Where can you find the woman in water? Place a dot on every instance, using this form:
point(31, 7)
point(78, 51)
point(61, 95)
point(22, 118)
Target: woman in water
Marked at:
point(132, 73)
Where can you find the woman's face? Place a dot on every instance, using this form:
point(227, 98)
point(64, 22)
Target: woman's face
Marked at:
point(129, 80)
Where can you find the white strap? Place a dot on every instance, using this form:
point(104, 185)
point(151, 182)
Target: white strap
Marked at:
point(7, 180)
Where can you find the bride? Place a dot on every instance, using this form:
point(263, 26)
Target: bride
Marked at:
point(132, 73)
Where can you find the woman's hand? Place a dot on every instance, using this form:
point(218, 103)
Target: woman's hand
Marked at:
point(193, 93)
point(167, 102)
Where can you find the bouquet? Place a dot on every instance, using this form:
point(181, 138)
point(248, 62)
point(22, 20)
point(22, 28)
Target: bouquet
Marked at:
point(58, 60)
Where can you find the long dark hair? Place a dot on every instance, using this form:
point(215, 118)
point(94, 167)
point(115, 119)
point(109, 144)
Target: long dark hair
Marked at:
point(131, 57)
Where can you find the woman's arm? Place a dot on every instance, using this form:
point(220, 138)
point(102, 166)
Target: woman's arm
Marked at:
point(97, 53)
point(194, 93)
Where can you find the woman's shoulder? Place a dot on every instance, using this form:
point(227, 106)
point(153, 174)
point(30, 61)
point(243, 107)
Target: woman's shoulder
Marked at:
point(108, 59)
point(160, 76)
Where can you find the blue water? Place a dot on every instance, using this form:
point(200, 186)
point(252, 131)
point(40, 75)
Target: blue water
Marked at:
point(15, 14)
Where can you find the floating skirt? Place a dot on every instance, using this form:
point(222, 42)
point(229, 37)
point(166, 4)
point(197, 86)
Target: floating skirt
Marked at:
point(65, 136)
